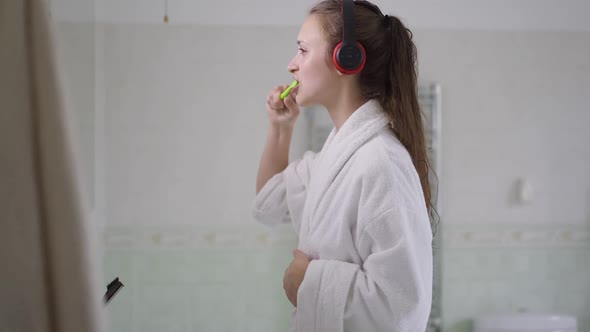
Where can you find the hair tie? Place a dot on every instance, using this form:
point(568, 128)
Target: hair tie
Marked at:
point(387, 22)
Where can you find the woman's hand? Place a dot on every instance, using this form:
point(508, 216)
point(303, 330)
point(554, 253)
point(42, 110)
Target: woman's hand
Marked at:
point(282, 113)
point(294, 275)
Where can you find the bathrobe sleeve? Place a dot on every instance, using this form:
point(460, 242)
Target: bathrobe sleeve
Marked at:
point(391, 291)
point(282, 198)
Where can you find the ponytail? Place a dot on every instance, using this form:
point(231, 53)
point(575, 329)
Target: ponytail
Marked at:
point(400, 99)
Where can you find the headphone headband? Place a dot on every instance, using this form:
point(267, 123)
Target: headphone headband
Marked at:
point(349, 55)
point(348, 22)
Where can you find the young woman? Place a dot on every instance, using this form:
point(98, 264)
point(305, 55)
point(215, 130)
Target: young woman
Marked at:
point(361, 205)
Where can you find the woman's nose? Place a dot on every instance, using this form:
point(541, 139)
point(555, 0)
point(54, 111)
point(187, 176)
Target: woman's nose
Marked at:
point(292, 67)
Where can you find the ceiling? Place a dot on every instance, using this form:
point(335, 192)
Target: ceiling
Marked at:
point(419, 14)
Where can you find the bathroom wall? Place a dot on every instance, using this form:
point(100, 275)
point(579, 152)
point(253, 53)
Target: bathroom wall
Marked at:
point(514, 108)
point(184, 114)
point(503, 268)
point(182, 135)
point(184, 128)
point(198, 278)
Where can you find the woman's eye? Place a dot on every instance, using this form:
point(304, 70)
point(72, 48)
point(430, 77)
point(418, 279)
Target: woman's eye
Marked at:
point(302, 50)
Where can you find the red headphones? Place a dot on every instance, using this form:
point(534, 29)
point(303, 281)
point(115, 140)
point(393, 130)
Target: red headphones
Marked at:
point(349, 55)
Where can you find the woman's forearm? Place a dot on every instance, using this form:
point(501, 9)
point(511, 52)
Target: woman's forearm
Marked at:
point(275, 156)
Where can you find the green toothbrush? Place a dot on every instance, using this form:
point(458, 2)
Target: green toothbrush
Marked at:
point(288, 90)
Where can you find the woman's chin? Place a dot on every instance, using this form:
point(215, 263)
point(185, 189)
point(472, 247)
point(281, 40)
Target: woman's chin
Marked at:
point(302, 101)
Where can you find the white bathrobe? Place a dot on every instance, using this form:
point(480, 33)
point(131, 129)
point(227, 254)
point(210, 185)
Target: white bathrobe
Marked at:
point(359, 212)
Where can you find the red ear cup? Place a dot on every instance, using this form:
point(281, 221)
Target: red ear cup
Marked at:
point(349, 59)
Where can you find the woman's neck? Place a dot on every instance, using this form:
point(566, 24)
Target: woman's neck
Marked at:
point(343, 105)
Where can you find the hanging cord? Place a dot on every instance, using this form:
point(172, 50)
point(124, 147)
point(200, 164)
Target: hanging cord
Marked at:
point(166, 11)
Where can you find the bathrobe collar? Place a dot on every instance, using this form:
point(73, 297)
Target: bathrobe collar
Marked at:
point(362, 125)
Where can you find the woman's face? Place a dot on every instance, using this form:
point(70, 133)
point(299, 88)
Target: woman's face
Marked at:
point(311, 66)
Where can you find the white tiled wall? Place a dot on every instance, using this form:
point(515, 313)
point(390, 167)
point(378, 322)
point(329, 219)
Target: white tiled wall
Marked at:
point(230, 279)
point(212, 280)
point(500, 269)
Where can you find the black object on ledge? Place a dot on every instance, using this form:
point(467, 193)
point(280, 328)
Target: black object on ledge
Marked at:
point(112, 288)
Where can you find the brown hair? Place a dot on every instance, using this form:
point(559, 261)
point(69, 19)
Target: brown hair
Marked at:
point(390, 74)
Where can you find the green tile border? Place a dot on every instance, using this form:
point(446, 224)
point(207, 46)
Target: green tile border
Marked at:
point(183, 237)
point(514, 235)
